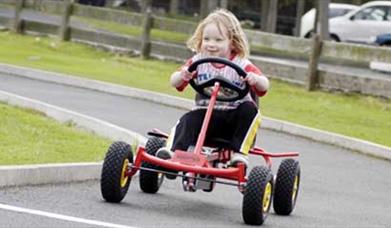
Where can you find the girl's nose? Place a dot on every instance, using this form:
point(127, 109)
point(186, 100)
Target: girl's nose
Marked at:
point(211, 43)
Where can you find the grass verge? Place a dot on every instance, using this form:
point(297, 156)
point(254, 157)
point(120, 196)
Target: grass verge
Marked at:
point(29, 137)
point(354, 115)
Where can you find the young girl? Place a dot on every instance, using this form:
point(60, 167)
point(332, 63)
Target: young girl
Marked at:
point(219, 35)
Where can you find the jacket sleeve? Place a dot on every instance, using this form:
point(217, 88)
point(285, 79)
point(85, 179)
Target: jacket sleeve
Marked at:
point(184, 84)
point(252, 68)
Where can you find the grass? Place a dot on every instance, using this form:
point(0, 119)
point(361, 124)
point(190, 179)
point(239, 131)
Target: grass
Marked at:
point(156, 34)
point(357, 116)
point(28, 137)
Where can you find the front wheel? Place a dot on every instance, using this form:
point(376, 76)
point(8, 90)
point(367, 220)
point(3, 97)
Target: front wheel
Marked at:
point(257, 196)
point(114, 182)
point(287, 187)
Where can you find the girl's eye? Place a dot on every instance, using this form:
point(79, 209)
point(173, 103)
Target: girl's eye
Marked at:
point(219, 40)
point(206, 38)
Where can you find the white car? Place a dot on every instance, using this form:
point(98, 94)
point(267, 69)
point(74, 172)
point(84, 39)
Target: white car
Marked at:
point(335, 10)
point(362, 24)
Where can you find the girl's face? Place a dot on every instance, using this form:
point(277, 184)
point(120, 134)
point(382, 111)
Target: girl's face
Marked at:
point(215, 43)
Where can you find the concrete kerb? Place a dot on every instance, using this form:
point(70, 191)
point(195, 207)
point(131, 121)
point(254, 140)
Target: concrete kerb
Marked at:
point(57, 173)
point(360, 146)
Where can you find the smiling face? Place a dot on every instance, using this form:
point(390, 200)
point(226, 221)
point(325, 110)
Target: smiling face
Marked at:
point(215, 41)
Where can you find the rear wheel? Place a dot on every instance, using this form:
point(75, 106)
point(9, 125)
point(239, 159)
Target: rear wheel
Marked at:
point(151, 181)
point(257, 196)
point(114, 182)
point(286, 187)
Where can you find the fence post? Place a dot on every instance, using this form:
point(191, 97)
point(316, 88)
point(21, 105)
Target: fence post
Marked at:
point(312, 71)
point(64, 30)
point(146, 34)
point(18, 23)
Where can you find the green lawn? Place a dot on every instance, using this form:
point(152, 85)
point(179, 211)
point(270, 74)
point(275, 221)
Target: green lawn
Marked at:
point(156, 34)
point(28, 137)
point(358, 116)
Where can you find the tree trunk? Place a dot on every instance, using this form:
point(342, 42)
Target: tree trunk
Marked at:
point(146, 34)
point(272, 16)
point(203, 8)
point(207, 6)
point(324, 19)
point(174, 5)
point(224, 4)
point(316, 21)
point(18, 23)
point(264, 10)
point(64, 32)
point(299, 12)
point(145, 4)
point(312, 71)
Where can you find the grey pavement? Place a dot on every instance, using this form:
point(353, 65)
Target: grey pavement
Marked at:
point(135, 112)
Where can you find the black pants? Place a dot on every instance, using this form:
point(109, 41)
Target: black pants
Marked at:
point(238, 126)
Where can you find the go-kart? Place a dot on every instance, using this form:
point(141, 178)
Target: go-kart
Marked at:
point(203, 166)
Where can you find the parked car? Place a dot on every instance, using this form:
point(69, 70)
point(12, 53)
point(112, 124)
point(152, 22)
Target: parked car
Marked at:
point(370, 20)
point(383, 40)
point(335, 10)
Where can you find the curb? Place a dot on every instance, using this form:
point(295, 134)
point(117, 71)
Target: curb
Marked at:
point(60, 173)
point(48, 173)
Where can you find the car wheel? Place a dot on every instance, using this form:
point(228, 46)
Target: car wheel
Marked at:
point(334, 38)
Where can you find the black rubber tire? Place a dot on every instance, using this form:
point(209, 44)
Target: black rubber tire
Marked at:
point(112, 170)
point(253, 210)
point(386, 45)
point(150, 181)
point(334, 38)
point(286, 190)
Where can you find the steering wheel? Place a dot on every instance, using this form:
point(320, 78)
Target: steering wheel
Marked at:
point(228, 90)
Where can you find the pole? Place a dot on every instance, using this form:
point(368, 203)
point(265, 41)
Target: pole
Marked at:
point(312, 72)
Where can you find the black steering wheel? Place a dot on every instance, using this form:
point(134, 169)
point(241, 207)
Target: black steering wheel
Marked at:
point(228, 90)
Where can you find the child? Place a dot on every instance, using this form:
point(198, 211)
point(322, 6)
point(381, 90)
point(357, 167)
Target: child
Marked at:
point(219, 35)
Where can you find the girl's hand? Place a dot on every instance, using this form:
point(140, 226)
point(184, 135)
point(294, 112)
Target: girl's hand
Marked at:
point(261, 83)
point(186, 75)
point(251, 78)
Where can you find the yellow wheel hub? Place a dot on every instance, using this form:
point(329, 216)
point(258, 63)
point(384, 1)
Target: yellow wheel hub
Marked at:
point(124, 178)
point(267, 196)
point(295, 188)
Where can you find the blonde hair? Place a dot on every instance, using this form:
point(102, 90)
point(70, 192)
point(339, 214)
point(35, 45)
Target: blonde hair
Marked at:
point(222, 17)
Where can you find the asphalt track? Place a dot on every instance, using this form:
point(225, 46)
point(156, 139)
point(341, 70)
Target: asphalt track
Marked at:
point(339, 188)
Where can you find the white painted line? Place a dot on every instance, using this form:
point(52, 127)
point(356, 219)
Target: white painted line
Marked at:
point(61, 217)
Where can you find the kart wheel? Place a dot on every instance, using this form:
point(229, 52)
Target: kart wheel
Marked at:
point(114, 183)
point(257, 196)
point(150, 181)
point(286, 187)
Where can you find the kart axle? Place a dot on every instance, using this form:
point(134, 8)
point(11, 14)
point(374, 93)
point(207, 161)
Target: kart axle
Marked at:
point(182, 175)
